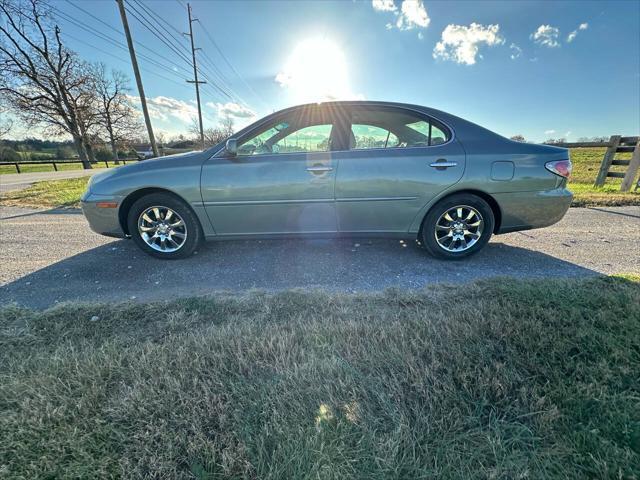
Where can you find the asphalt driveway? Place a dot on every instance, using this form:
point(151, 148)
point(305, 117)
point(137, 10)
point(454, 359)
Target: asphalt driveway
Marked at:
point(52, 256)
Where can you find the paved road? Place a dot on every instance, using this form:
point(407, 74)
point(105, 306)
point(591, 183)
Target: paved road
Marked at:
point(18, 181)
point(49, 257)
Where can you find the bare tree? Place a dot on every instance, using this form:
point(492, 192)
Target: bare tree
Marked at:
point(117, 117)
point(213, 136)
point(6, 124)
point(227, 126)
point(42, 81)
point(518, 138)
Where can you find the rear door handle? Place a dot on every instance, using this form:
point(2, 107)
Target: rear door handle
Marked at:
point(443, 164)
point(319, 169)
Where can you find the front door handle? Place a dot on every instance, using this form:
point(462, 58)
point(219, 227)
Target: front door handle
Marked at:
point(442, 163)
point(319, 169)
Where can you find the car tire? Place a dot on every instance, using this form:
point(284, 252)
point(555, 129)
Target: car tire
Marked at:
point(457, 227)
point(171, 236)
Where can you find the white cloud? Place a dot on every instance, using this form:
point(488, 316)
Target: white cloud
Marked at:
point(568, 134)
point(549, 132)
point(413, 14)
point(516, 51)
point(167, 108)
point(231, 109)
point(546, 35)
point(571, 37)
point(420, 36)
point(384, 5)
point(461, 43)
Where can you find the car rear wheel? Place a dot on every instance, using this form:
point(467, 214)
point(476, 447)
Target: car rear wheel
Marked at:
point(164, 226)
point(457, 226)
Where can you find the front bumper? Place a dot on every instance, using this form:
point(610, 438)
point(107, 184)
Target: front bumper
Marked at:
point(527, 210)
point(104, 221)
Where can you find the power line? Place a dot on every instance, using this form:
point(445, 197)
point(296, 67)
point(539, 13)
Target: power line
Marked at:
point(146, 69)
point(163, 38)
point(217, 80)
point(219, 85)
point(146, 24)
point(226, 60)
point(152, 13)
point(63, 16)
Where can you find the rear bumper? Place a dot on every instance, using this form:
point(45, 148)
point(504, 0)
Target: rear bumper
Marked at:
point(527, 210)
point(104, 221)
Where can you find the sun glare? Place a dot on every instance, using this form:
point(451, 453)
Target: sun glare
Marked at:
point(316, 71)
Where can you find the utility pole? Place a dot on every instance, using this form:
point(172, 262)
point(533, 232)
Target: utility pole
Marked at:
point(136, 72)
point(195, 73)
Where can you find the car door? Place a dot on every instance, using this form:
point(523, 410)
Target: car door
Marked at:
point(281, 182)
point(398, 161)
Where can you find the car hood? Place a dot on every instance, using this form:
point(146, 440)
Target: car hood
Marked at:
point(178, 159)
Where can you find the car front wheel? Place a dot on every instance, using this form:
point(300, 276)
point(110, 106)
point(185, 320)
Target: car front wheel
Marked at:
point(164, 226)
point(457, 226)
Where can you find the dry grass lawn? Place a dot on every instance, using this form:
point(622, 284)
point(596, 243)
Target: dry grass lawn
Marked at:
point(500, 379)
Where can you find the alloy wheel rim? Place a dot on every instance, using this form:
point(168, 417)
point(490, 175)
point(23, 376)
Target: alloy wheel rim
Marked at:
point(459, 228)
point(162, 228)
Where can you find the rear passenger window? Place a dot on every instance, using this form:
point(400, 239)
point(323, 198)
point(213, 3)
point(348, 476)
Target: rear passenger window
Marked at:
point(370, 136)
point(393, 128)
point(437, 136)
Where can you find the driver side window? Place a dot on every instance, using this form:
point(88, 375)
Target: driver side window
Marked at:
point(259, 144)
point(314, 138)
point(295, 136)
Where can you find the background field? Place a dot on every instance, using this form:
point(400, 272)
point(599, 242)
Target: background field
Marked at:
point(499, 379)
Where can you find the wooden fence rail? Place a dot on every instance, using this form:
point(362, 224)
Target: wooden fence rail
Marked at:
point(580, 144)
point(57, 162)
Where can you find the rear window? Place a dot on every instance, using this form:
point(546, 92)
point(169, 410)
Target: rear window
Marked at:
point(394, 128)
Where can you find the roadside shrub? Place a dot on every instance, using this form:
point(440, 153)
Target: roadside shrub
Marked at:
point(8, 154)
point(103, 155)
point(64, 153)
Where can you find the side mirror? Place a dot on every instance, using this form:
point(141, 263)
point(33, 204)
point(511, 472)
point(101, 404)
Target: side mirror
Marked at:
point(232, 147)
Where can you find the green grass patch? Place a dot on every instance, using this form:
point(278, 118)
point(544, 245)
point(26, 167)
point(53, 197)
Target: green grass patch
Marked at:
point(55, 193)
point(496, 379)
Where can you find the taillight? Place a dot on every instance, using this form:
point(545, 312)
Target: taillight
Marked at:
point(559, 167)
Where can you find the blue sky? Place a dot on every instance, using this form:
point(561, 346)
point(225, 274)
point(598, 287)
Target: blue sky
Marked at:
point(538, 68)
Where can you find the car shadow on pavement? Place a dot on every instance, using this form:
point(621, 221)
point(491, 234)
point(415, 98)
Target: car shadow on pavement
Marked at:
point(118, 271)
point(51, 211)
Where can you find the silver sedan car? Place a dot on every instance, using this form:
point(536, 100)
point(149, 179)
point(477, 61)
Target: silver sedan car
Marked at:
point(338, 169)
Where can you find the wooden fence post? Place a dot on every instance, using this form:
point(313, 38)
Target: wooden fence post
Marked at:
point(632, 170)
point(614, 141)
